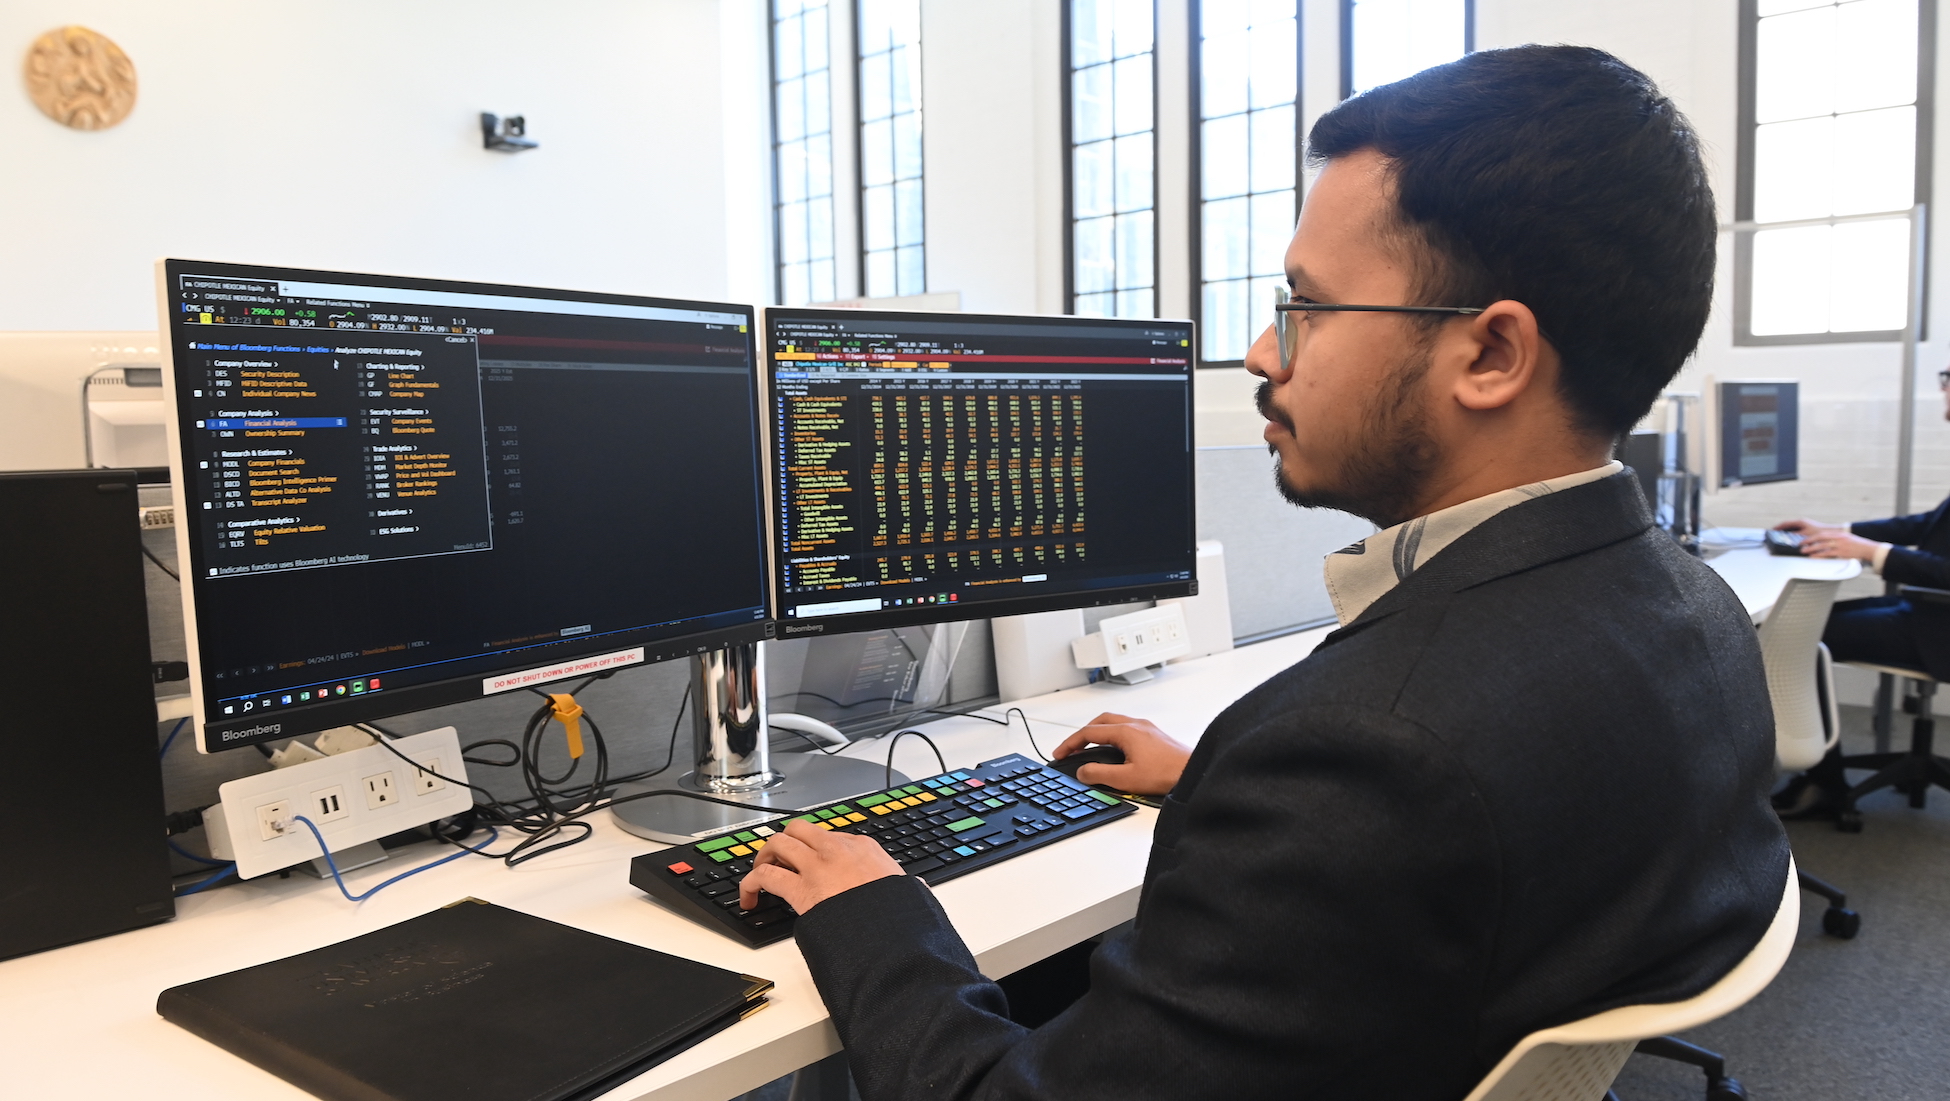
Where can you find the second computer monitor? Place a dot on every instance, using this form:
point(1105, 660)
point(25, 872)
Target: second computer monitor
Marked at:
point(930, 467)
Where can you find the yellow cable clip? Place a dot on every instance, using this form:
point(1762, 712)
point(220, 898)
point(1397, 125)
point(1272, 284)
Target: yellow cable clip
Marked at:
point(569, 713)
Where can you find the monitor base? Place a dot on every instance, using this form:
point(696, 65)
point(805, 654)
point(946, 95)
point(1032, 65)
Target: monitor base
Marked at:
point(806, 780)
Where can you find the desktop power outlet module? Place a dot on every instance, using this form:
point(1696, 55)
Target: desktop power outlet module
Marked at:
point(352, 798)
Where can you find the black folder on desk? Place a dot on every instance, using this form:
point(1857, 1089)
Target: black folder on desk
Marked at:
point(470, 1001)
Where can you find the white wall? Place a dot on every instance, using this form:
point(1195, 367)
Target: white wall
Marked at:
point(346, 135)
point(992, 117)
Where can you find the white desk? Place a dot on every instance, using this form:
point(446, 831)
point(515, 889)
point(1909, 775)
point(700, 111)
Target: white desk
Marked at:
point(1757, 577)
point(80, 1021)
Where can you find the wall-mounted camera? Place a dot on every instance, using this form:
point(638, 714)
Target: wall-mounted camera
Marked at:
point(505, 135)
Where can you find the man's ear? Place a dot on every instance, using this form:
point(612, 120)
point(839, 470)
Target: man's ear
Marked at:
point(1509, 355)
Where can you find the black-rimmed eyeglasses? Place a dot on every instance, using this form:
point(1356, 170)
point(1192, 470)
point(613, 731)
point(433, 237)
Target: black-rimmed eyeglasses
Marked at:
point(1288, 334)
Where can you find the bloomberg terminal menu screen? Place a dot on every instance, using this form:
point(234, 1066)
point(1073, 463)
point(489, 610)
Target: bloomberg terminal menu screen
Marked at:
point(930, 460)
point(390, 484)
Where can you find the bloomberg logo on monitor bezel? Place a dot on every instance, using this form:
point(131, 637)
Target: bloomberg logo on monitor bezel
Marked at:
point(258, 731)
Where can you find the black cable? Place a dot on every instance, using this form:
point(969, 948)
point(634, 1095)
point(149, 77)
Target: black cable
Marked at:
point(150, 555)
point(549, 811)
point(895, 744)
point(1004, 721)
point(855, 703)
point(509, 763)
point(1026, 730)
point(814, 742)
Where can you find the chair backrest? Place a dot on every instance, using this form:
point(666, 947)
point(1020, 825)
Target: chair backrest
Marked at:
point(1790, 642)
point(1577, 1062)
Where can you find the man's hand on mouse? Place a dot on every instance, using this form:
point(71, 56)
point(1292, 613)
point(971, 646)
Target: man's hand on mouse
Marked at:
point(806, 865)
point(1153, 761)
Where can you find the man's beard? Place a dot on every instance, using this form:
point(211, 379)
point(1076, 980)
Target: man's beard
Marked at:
point(1382, 479)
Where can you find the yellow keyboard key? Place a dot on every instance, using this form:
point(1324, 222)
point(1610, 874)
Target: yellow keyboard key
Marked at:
point(882, 809)
point(758, 844)
point(910, 801)
point(825, 825)
point(925, 797)
point(740, 850)
point(856, 816)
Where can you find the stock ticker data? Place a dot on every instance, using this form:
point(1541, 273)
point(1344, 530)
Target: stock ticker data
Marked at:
point(391, 484)
point(928, 460)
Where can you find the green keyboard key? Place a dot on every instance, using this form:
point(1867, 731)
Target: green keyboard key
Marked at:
point(716, 843)
point(965, 824)
point(1105, 797)
point(827, 813)
point(747, 835)
point(721, 857)
point(912, 789)
point(993, 803)
point(842, 808)
point(873, 800)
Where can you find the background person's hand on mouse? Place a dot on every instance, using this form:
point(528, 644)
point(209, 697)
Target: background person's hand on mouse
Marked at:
point(1153, 761)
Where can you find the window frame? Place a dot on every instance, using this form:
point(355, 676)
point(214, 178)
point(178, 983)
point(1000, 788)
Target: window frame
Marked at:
point(1743, 191)
point(860, 164)
point(1066, 47)
point(1196, 225)
point(772, 119)
point(1347, 40)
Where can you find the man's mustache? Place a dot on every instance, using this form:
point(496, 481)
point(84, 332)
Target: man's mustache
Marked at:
point(1263, 399)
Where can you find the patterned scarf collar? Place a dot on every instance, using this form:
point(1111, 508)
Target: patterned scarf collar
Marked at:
point(1360, 574)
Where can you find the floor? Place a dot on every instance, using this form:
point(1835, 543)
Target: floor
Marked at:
point(1858, 1020)
point(1862, 1020)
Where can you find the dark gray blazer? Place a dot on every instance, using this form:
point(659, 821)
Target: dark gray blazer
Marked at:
point(1526, 785)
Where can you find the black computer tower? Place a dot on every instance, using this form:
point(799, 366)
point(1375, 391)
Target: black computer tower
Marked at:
point(84, 806)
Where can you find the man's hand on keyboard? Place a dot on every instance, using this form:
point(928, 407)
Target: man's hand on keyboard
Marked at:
point(806, 865)
point(1153, 761)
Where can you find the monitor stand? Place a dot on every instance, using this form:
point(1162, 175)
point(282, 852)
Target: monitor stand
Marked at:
point(734, 760)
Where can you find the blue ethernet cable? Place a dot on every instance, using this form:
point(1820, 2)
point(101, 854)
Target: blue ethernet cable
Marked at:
point(188, 855)
point(493, 836)
point(227, 869)
point(173, 731)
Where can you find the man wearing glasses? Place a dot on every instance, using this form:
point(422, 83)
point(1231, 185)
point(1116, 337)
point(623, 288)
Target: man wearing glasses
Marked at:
point(1884, 630)
point(1526, 780)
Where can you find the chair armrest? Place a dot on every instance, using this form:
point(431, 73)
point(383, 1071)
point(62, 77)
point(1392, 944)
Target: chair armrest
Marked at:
point(1926, 595)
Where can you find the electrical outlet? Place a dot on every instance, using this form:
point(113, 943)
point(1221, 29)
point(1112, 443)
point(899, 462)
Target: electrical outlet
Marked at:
point(424, 780)
point(273, 819)
point(371, 787)
point(328, 804)
point(379, 790)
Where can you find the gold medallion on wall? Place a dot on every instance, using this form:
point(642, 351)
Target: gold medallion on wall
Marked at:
point(81, 79)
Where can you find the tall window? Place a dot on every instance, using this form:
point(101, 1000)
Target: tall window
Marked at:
point(1248, 152)
point(1113, 252)
point(1830, 141)
point(891, 223)
point(1383, 41)
point(802, 152)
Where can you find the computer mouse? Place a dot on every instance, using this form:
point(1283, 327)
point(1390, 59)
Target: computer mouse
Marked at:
point(1094, 755)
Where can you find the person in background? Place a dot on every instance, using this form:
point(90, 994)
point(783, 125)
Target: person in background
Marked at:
point(1886, 630)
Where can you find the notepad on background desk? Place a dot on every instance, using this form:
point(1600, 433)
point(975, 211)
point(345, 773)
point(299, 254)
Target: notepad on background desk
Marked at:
point(470, 1001)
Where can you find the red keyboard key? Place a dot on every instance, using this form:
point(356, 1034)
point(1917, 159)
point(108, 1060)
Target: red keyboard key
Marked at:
point(680, 868)
point(973, 783)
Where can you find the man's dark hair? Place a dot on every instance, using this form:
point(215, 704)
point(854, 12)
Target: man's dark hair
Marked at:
point(1559, 177)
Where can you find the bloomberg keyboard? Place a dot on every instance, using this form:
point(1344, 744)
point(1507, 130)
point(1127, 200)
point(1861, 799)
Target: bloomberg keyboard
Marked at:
point(937, 828)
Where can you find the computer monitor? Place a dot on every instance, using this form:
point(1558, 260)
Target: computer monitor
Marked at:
point(1759, 432)
point(400, 493)
point(930, 467)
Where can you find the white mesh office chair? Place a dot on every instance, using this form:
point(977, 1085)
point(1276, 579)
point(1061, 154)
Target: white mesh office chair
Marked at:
point(1577, 1061)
